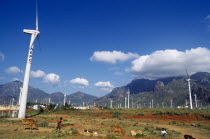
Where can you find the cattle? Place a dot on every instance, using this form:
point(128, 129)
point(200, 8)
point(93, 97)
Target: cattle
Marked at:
point(194, 124)
point(188, 136)
point(29, 123)
point(117, 129)
point(134, 132)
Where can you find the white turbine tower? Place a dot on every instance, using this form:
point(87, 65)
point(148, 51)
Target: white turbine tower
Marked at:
point(13, 99)
point(171, 103)
point(49, 100)
point(190, 96)
point(125, 102)
point(34, 34)
point(196, 104)
point(128, 98)
point(111, 103)
point(64, 100)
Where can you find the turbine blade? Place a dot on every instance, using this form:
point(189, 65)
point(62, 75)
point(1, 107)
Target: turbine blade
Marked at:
point(187, 73)
point(37, 26)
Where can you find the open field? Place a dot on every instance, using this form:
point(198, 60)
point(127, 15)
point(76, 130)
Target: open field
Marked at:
point(177, 122)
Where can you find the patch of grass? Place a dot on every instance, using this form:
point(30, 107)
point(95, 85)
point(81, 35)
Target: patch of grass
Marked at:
point(57, 133)
point(139, 135)
point(172, 123)
point(111, 137)
point(43, 124)
point(73, 130)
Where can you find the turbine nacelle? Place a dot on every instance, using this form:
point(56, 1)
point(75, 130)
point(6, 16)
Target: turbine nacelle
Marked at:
point(188, 79)
point(28, 31)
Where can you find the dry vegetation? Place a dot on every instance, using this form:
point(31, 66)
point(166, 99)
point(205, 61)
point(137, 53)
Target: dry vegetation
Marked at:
point(177, 122)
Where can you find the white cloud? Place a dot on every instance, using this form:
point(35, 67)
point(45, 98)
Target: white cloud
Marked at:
point(112, 57)
point(207, 17)
point(13, 70)
point(52, 78)
point(1, 57)
point(105, 86)
point(80, 81)
point(37, 74)
point(170, 62)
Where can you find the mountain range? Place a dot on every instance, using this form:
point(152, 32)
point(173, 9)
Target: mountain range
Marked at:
point(11, 90)
point(161, 91)
point(142, 92)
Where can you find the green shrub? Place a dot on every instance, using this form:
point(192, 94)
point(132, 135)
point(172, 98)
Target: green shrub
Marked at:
point(172, 123)
point(140, 114)
point(57, 133)
point(146, 128)
point(139, 135)
point(43, 124)
point(110, 137)
point(73, 130)
point(158, 128)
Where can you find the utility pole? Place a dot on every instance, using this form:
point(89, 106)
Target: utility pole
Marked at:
point(152, 103)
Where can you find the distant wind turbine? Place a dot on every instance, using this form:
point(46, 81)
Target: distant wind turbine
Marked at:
point(196, 104)
point(190, 96)
point(64, 100)
point(49, 100)
point(34, 34)
point(111, 103)
point(125, 102)
point(128, 98)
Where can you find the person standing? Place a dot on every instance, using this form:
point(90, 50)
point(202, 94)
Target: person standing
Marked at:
point(59, 123)
point(163, 133)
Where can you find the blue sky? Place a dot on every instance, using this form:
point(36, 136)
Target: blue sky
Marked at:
point(96, 45)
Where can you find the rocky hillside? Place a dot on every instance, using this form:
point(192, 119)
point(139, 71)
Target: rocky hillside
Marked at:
point(161, 91)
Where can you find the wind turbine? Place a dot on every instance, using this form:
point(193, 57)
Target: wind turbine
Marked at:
point(34, 34)
point(171, 103)
point(188, 80)
point(64, 100)
point(111, 103)
point(128, 98)
point(49, 100)
point(196, 104)
point(125, 102)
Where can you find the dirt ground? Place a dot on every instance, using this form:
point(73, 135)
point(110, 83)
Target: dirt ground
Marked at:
point(100, 121)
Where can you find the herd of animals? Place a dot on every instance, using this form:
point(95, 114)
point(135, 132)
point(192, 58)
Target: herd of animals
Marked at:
point(31, 124)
